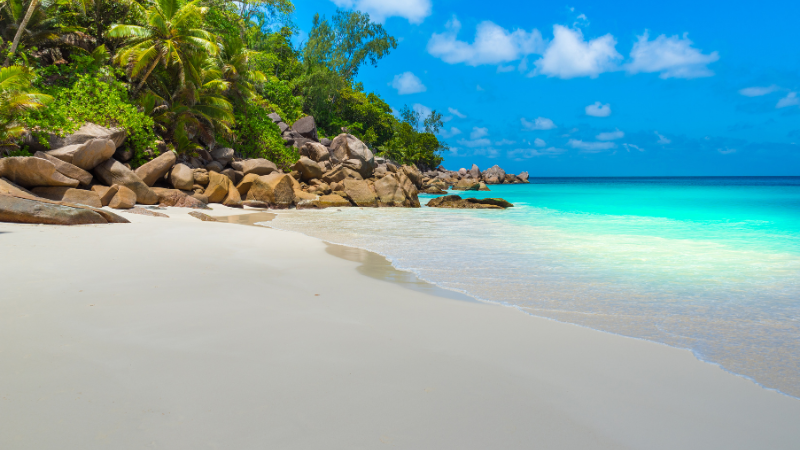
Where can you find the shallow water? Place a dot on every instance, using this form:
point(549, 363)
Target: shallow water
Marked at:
point(708, 264)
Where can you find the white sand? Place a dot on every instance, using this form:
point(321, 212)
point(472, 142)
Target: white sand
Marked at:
point(181, 334)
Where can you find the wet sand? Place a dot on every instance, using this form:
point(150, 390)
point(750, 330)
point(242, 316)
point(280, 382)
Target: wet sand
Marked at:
point(177, 333)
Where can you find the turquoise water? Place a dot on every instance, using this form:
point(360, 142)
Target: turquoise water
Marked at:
point(707, 264)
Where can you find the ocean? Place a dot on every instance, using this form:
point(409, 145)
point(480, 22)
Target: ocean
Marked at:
point(707, 264)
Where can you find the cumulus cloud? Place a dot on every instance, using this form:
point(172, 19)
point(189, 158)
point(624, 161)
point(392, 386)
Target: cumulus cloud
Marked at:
point(408, 83)
point(472, 143)
point(590, 147)
point(540, 123)
point(379, 10)
point(598, 110)
point(453, 131)
point(672, 57)
point(488, 152)
point(519, 154)
point(539, 142)
point(758, 91)
point(457, 113)
point(478, 133)
point(790, 100)
point(493, 44)
point(662, 139)
point(568, 55)
point(628, 147)
point(610, 135)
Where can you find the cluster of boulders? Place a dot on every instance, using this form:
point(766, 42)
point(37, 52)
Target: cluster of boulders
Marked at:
point(455, 201)
point(439, 180)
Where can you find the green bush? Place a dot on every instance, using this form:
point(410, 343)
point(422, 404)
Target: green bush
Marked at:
point(256, 136)
point(98, 98)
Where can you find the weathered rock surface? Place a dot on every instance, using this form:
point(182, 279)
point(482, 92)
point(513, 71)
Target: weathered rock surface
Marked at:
point(87, 155)
point(412, 173)
point(7, 187)
point(178, 199)
point(454, 201)
point(200, 177)
point(124, 198)
point(25, 210)
point(306, 127)
point(106, 193)
point(467, 185)
point(434, 190)
point(316, 152)
point(258, 166)
point(475, 172)
point(223, 155)
point(305, 200)
point(308, 169)
point(275, 117)
point(494, 175)
point(341, 173)
point(147, 212)
point(69, 195)
point(275, 189)
point(114, 172)
point(332, 201)
point(232, 199)
point(154, 170)
point(67, 169)
point(85, 133)
point(346, 146)
point(217, 189)
point(184, 177)
point(389, 191)
point(360, 193)
point(523, 176)
point(247, 182)
point(31, 172)
point(214, 166)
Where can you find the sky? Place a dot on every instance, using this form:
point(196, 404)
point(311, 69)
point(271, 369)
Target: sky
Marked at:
point(616, 88)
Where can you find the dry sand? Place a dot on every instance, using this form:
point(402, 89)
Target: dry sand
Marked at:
point(181, 334)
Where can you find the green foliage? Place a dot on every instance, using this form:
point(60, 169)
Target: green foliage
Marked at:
point(258, 137)
point(17, 97)
point(98, 98)
point(414, 142)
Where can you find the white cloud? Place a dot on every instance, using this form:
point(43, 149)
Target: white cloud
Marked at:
point(475, 142)
point(672, 57)
point(539, 142)
point(493, 44)
point(590, 147)
point(524, 153)
point(610, 135)
point(450, 133)
point(457, 113)
point(540, 123)
point(790, 100)
point(504, 142)
point(423, 110)
point(478, 133)
point(569, 56)
point(662, 139)
point(408, 83)
point(379, 10)
point(488, 152)
point(758, 91)
point(598, 110)
point(628, 147)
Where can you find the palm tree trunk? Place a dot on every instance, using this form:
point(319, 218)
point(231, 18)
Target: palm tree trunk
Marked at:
point(149, 71)
point(20, 30)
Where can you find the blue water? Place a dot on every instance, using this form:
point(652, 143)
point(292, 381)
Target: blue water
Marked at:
point(708, 264)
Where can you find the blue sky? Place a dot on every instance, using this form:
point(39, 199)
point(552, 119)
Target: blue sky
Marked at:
point(617, 88)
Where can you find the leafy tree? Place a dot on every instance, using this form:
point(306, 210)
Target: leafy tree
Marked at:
point(16, 97)
point(170, 34)
point(20, 29)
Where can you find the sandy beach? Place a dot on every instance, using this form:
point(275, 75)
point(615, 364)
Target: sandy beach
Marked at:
point(176, 333)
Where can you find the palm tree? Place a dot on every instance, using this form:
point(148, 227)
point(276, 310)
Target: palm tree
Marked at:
point(235, 67)
point(167, 38)
point(16, 97)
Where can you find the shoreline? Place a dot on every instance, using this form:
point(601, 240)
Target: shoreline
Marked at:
point(553, 382)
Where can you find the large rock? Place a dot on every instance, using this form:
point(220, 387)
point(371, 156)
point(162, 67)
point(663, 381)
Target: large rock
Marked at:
point(247, 182)
point(114, 172)
point(106, 193)
point(475, 172)
point(87, 155)
point(70, 195)
point(124, 199)
point(523, 177)
point(232, 199)
point(305, 200)
point(412, 173)
point(409, 190)
point(389, 191)
point(257, 166)
point(454, 201)
point(275, 117)
point(214, 166)
point(31, 172)
point(223, 154)
point(85, 133)
point(347, 146)
point(360, 193)
point(178, 199)
point(67, 169)
point(217, 189)
point(7, 187)
point(332, 201)
point(316, 152)
point(467, 185)
point(309, 169)
point(200, 177)
point(306, 127)
point(24, 210)
point(341, 173)
point(183, 177)
point(275, 189)
point(154, 170)
point(494, 175)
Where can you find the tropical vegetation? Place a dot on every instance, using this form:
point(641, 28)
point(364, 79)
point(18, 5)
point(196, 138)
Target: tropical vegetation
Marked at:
point(190, 75)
